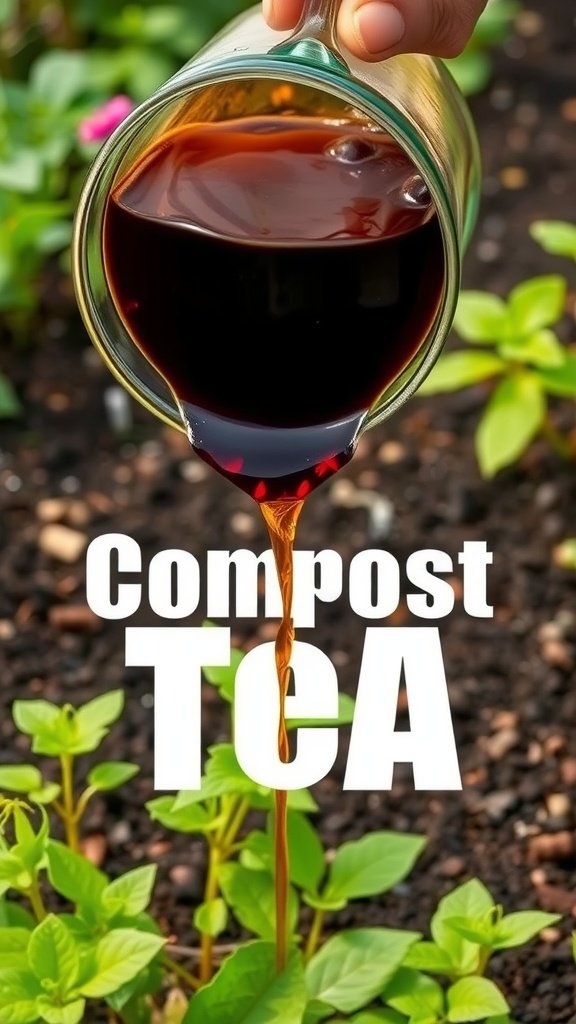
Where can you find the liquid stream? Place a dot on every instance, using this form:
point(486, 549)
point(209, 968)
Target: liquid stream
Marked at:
point(279, 273)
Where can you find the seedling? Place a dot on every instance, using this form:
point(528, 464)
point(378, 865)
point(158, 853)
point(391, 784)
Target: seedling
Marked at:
point(107, 948)
point(518, 352)
point(556, 237)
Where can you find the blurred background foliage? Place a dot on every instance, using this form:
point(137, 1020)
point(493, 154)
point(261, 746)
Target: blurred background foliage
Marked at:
point(61, 60)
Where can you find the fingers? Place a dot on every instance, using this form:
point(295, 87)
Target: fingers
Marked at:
point(283, 14)
point(376, 29)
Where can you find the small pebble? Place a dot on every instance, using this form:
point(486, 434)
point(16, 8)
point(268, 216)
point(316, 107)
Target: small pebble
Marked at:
point(555, 847)
point(193, 471)
point(74, 618)
point(513, 178)
point(529, 24)
point(94, 848)
point(501, 743)
point(120, 833)
point(391, 453)
point(569, 109)
point(62, 543)
point(568, 771)
point(70, 485)
point(243, 524)
point(558, 654)
point(452, 867)
point(498, 805)
point(558, 805)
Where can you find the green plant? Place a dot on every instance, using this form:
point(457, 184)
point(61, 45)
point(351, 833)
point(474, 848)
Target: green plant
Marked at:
point(556, 237)
point(516, 348)
point(107, 948)
point(473, 68)
point(65, 733)
point(55, 71)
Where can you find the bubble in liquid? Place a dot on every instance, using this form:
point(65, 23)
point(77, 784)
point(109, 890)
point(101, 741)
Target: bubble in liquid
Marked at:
point(351, 149)
point(415, 192)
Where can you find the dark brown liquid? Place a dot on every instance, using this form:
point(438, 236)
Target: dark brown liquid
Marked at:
point(281, 518)
point(279, 273)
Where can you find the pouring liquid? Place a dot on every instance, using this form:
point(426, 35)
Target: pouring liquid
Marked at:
point(279, 272)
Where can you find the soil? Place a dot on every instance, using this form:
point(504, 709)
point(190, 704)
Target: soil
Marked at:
point(511, 678)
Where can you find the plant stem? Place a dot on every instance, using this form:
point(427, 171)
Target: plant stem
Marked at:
point(483, 958)
point(210, 893)
point(36, 901)
point(70, 817)
point(234, 827)
point(181, 972)
point(559, 444)
point(315, 934)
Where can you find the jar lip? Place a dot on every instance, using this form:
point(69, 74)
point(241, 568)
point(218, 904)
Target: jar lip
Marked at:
point(333, 81)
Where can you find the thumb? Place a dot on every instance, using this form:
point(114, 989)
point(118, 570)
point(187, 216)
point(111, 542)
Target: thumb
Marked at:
point(376, 29)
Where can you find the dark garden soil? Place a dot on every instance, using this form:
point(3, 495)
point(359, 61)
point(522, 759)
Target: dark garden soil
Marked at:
point(512, 680)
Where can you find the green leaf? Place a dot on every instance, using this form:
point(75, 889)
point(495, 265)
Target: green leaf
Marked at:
point(471, 899)
point(472, 71)
point(415, 994)
point(191, 818)
point(472, 999)
point(74, 877)
point(53, 955)
point(211, 918)
point(13, 947)
point(480, 317)
point(223, 676)
point(320, 902)
point(130, 894)
point(316, 1011)
point(386, 1016)
point(353, 967)
point(560, 382)
point(13, 916)
point(248, 990)
point(556, 237)
point(427, 956)
point(478, 930)
point(18, 992)
point(461, 369)
point(541, 348)
point(58, 77)
point(251, 895)
point(10, 405)
point(34, 716)
point(307, 860)
point(30, 846)
point(346, 709)
point(517, 929)
point(111, 775)
point(119, 957)
point(223, 776)
point(372, 865)
point(71, 1013)
point(21, 171)
point(8, 9)
point(101, 712)
point(21, 778)
point(46, 795)
point(536, 303)
point(511, 420)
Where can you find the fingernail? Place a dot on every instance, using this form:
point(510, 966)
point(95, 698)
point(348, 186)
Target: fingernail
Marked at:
point(268, 9)
point(380, 26)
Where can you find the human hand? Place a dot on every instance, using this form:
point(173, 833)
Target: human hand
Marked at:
point(375, 29)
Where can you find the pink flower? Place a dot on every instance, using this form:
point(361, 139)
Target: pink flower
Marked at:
point(99, 125)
